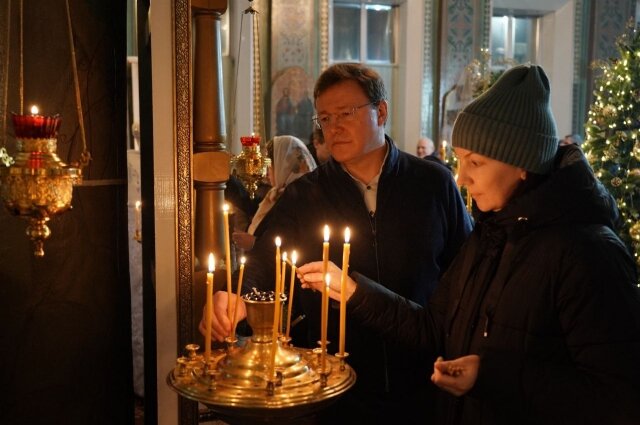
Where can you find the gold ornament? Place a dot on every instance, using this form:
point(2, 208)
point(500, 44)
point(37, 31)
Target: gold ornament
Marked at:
point(616, 181)
point(634, 231)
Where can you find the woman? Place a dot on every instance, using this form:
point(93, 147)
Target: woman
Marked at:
point(539, 314)
point(290, 159)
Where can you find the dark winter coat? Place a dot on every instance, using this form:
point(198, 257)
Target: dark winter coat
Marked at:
point(419, 225)
point(545, 293)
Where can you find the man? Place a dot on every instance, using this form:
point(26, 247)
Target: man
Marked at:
point(425, 147)
point(407, 221)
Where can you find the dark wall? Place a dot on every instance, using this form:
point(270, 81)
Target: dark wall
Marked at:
point(65, 343)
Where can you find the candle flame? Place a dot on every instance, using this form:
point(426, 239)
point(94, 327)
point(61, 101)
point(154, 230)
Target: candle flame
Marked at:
point(225, 208)
point(212, 263)
point(294, 257)
point(138, 205)
point(242, 261)
point(444, 143)
point(347, 235)
point(278, 241)
point(326, 233)
point(284, 256)
point(34, 110)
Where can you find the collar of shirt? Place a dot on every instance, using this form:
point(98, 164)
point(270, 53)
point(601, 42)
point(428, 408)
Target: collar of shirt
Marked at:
point(369, 189)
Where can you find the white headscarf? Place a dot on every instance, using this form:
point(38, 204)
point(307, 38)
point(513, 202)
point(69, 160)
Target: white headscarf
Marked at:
point(291, 159)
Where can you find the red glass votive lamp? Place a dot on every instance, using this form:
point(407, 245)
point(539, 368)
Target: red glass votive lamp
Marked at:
point(250, 140)
point(36, 126)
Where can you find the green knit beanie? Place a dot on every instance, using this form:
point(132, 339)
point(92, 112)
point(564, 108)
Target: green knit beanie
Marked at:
point(512, 121)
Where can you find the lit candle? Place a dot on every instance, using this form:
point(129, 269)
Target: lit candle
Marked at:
point(325, 314)
point(34, 110)
point(238, 293)
point(343, 289)
point(294, 258)
point(209, 307)
point(324, 309)
point(281, 288)
point(137, 213)
point(443, 150)
point(227, 248)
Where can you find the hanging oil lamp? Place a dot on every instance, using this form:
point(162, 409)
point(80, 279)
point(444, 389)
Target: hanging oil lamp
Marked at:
point(36, 184)
point(250, 165)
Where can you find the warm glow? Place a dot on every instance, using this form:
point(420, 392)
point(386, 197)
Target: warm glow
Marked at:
point(34, 110)
point(347, 235)
point(243, 260)
point(327, 279)
point(284, 256)
point(212, 263)
point(225, 208)
point(138, 205)
point(326, 233)
point(294, 257)
point(278, 241)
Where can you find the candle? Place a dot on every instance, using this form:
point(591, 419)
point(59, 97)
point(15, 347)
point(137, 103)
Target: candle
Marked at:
point(34, 110)
point(227, 248)
point(294, 258)
point(137, 213)
point(325, 314)
point(209, 308)
point(238, 293)
point(324, 309)
point(274, 330)
point(281, 288)
point(343, 289)
point(443, 151)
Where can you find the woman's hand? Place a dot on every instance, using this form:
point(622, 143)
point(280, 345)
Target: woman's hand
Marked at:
point(456, 376)
point(310, 276)
point(221, 326)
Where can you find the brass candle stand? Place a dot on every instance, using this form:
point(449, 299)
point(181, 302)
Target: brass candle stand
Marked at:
point(237, 382)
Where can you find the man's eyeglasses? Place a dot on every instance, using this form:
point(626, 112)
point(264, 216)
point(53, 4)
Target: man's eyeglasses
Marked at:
point(326, 121)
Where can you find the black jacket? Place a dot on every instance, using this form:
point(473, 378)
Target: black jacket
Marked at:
point(545, 293)
point(419, 225)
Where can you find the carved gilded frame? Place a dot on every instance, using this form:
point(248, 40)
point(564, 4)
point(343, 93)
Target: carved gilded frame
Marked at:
point(187, 410)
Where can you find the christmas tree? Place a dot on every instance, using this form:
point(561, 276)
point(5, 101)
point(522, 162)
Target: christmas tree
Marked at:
point(612, 144)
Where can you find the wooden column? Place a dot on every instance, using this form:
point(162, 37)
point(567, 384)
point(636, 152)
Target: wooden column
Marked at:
point(210, 156)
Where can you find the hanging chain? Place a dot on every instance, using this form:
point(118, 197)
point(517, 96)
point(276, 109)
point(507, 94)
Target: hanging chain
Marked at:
point(21, 59)
point(257, 81)
point(85, 156)
point(4, 156)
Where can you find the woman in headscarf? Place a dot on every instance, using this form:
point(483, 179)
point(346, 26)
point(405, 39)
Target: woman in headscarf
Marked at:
point(290, 159)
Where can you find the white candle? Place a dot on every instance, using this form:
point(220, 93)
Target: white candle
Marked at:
point(324, 312)
point(343, 289)
point(274, 330)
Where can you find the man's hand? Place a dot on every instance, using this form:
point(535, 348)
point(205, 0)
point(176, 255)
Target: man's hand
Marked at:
point(220, 323)
point(310, 276)
point(456, 376)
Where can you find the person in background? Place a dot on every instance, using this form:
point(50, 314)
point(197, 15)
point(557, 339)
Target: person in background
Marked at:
point(290, 159)
point(318, 148)
point(425, 147)
point(385, 196)
point(571, 139)
point(537, 320)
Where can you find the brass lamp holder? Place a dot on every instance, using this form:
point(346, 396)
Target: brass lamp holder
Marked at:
point(250, 165)
point(36, 184)
point(237, 384)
